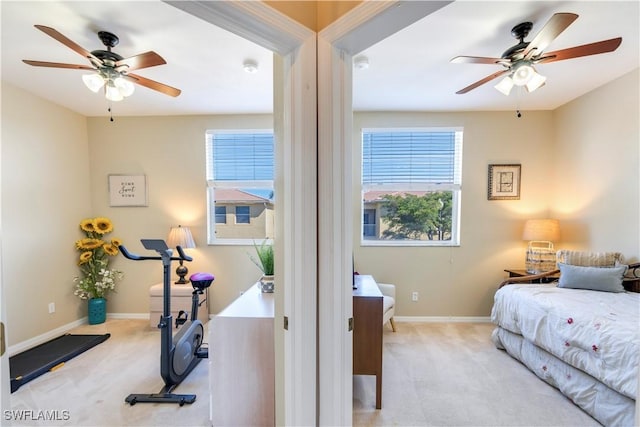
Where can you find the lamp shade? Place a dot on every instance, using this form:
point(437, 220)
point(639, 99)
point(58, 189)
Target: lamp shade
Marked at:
point(180, 236)
point(547, 230)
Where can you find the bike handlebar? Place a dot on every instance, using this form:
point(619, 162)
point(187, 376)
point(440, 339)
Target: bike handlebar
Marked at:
point(134, 257)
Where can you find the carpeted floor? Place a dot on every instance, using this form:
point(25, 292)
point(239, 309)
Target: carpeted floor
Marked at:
point(451, 374)
point(89, 390)
point(435, 374)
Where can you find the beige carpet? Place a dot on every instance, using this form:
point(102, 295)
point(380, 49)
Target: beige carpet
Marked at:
point(444, 374)
point(451, 374)
point(92, 386)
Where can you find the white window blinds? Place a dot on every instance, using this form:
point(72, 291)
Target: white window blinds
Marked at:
point(240, 156)
point(411, 156)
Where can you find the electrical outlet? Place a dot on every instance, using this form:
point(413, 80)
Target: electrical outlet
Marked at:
point(52, 307)
point(414, 296)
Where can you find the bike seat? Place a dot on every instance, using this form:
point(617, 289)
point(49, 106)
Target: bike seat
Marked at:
point(201, 280)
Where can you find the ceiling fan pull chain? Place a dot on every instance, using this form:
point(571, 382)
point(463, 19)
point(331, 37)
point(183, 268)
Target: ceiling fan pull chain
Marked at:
point(518, 91)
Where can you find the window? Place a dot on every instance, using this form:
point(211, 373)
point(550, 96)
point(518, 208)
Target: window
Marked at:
point(221, 214)
point(240, 167)
point(411, 186)
point(243, 215)
point(369, 223)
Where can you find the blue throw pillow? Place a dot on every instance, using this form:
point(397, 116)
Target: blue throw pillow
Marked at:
point(606, 279)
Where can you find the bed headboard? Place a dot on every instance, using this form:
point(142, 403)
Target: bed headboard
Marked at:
point(632, 279)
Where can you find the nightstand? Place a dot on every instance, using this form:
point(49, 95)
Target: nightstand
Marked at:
point(523, 272)
point(180, 300)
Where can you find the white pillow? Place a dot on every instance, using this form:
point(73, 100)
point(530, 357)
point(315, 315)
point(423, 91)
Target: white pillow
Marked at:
point(606, 279)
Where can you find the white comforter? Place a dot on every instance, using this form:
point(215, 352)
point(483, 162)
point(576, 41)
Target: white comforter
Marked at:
point(596, 332)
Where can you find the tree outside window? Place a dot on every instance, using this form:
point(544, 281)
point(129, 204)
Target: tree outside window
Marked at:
point(411, 186)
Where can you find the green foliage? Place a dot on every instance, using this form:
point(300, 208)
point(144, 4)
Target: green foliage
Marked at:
point(413, 217)
point(264, 259)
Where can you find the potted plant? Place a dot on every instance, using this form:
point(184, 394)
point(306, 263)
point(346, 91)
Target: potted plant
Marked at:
point(264, 261)
point(96, 279)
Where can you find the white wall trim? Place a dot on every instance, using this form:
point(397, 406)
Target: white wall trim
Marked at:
point(360, 28)
point(335, 237)
point(296, 234)
point(144, 316)
point(252, 20)
point(443, 319)
point(295, 242)
point(47, 336)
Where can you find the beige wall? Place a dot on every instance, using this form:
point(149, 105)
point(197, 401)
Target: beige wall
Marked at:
point(597, 169)
point(461, 281)
point(55, 166)
point(45, 193)
point(170, 151)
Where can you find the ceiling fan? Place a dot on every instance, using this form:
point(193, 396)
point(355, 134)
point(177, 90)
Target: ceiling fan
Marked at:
point(111, 71)
point(519, 59)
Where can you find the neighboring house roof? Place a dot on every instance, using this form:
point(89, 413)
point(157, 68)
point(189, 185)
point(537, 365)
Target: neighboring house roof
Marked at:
point(232, 195)
point(377, 196)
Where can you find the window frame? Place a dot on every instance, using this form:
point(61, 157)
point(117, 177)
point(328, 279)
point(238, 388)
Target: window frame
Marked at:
point(212, 185)
point(455, 188)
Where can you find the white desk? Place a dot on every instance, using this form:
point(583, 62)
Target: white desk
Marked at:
point(242, 362)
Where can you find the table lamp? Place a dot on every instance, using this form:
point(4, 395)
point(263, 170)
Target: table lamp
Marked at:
point(181, 236)
point(541, 233)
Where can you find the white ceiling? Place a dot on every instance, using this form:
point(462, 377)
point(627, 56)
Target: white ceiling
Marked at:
point(408, 71)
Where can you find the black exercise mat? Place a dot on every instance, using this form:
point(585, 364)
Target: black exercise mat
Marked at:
point(38, 360)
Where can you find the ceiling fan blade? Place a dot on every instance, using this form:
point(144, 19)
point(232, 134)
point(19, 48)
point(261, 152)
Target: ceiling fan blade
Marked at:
point(483, 81)
point(477, 60)
point(67, 42)
point(56, 65)
point(144, 60)
point(552, 29)
point(603, 46)
point(151, 84)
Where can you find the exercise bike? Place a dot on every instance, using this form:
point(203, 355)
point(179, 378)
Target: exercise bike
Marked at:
point(180, 353)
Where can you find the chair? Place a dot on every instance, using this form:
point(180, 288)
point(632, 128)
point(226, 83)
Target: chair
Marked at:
point(388, 304)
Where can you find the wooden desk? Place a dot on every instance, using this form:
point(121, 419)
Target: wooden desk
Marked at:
point(367, 331)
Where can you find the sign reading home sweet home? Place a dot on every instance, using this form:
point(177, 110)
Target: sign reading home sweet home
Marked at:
point(127, 190)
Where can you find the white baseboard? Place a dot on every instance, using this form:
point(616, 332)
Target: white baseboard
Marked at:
point(128, 316)
point(443, 319)
point(55, 333)
point(47, 336)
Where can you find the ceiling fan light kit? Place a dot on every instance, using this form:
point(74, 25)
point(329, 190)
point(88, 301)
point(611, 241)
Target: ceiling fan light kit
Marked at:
point(505, 85)
point(523, 74)
point(116, 87)
point(519, 59)
point(110, 71)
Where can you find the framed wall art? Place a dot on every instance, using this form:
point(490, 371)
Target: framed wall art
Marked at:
point(504, 182)
point(127, 190)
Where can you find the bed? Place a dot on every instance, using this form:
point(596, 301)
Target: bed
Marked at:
point(582, 341)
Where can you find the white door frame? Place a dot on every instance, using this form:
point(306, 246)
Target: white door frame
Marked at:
point(363, 26)
point(295, 121)
point(314, 231)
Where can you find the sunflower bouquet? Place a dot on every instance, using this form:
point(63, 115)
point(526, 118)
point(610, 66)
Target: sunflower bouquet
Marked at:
point(96, 279)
